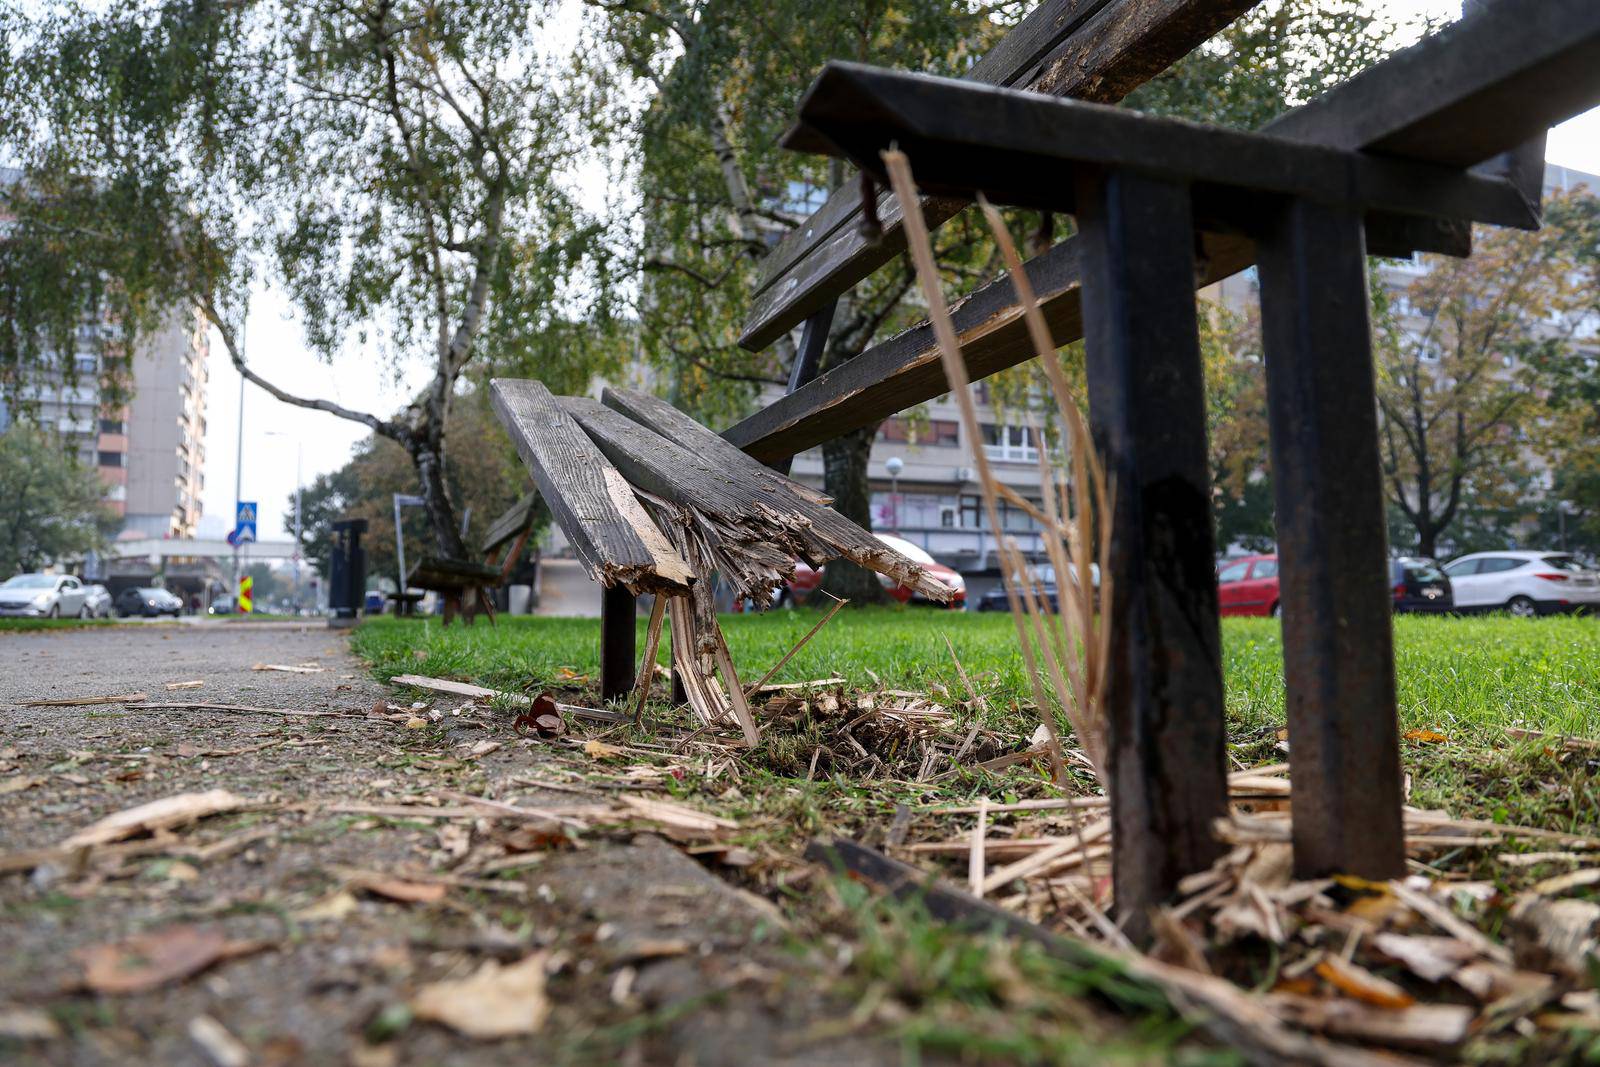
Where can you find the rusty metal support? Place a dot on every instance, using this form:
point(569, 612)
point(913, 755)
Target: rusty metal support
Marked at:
point(1344, 749)
point(1147, 410)
point(618, 637)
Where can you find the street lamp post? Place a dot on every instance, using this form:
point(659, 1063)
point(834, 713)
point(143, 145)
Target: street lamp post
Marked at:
point(894, 466)
point(299, 448)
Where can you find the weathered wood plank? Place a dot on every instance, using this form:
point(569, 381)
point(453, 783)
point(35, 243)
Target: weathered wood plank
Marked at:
point(1024, 149)
point(656, 414)
point(1338, 645)
point(439, 573)
point(904, 370)
point(1097, 52)
point(595, 506)
point(752, 507)
point(1168, 739)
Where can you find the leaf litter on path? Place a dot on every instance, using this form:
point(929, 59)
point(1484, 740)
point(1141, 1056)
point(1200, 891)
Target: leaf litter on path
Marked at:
point(493, 1002)
point(161, 957)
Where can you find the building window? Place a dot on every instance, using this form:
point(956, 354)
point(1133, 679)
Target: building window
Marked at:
point(942, 433)
point(113, 459)
point(1010, 444)
point(971, 510)
point(112, 426)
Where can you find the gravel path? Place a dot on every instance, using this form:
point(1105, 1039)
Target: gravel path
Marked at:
point(652, 957)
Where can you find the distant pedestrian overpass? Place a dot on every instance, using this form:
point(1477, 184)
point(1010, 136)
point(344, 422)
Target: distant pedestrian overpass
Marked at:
point(155, 549)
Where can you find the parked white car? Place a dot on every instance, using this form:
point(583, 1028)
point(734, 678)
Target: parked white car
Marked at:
point(48, 596)
point(1522, 582)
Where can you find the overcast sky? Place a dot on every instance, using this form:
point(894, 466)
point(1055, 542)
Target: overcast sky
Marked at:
point(275, 348)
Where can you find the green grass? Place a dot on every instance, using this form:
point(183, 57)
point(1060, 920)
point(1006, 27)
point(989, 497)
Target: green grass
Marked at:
point(1466, 677)
point(24, 625)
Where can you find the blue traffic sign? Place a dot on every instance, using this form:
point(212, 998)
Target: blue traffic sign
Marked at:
point(244, 522)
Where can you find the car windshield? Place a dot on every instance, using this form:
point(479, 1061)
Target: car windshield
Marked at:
point(1423, 570)
point(1562, 563)
point(30, 581)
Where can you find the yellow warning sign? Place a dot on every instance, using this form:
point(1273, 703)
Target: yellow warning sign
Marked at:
point(246, 584)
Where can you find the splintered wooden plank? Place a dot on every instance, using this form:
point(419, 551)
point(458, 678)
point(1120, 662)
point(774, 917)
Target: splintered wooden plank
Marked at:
point(594, 505)
point(1092, 51)
point(658, 415)
point(1024, 149)
point(673, 472)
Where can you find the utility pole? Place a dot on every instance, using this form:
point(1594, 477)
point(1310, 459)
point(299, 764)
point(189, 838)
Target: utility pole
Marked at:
point(238, 489)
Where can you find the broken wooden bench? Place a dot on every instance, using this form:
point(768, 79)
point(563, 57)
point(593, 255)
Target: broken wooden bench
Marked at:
point(654, 503)
point(465, 584)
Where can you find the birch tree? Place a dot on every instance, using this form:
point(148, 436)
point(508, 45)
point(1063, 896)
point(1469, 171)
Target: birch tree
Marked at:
point(399, 167)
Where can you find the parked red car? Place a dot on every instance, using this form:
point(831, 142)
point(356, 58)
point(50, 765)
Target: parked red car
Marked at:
point(806, 580)
point(1248, 586)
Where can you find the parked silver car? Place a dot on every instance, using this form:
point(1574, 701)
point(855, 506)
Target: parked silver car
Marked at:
point(44, 596)
point(98, 602)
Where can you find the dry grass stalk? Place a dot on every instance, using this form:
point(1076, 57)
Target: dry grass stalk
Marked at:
point(787, 656)
point(1069, 646)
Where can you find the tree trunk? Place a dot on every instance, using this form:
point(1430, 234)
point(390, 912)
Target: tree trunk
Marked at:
point(844, 477)
point(1427, 541)
point(429, 460)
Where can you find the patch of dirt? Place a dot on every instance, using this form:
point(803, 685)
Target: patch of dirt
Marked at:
point(651, 958)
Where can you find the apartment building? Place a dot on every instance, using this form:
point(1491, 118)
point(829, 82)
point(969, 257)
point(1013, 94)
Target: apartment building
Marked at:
point(166, 428)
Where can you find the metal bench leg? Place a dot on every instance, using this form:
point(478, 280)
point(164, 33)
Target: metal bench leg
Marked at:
point(618, 632)
point(1146, 397)
point(1338, 648)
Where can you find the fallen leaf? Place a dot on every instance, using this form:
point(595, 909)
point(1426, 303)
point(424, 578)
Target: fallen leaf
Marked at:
point(28, 1024)
point(403, 891)
point(600, 750)
point(332, 908)
point(161, 957)
point(1358, 983)
point(416, 722)
point(1426, 737)
point(482, 748)
point(220, 1047)
point(19, 784)
point(494, 1002)
point(161, 814)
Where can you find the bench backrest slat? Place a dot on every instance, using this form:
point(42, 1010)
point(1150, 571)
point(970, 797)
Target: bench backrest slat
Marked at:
point(1098, 51)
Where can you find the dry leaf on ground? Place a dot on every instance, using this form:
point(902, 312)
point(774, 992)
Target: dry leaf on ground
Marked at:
point(494, 1002)
point(600, 750)
point(27, 1024)
point(20, 783)
point(220, 1047)
point(403, 891)
point(163, 814)
point(161, 957)
point(332, 908)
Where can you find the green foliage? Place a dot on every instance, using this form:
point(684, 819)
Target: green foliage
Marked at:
point(54, 509)
point(716, 190)
point(1481, 378)
point(481, 464)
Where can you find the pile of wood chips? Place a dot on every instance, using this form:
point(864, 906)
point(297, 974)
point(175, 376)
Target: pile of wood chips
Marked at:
point(1320, 970)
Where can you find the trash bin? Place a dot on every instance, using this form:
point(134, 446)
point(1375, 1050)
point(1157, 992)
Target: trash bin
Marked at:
point(347, 573)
